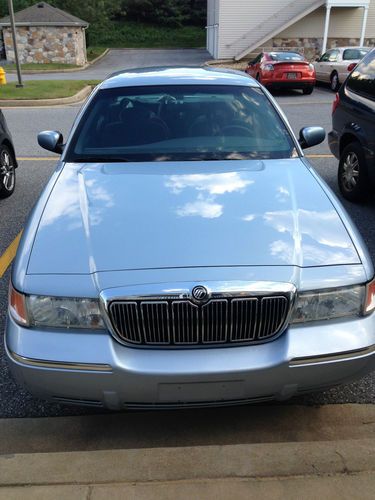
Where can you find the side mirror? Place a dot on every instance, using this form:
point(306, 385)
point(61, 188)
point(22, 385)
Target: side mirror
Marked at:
point(51, 140)
point(311, 136)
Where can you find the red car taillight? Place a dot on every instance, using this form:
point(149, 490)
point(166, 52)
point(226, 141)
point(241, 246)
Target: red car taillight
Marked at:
point(335, 103)
point(351, 66)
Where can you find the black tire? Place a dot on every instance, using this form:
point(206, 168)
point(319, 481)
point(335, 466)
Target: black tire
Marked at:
point(308, 90)
point(353, 177)
point(7, 172)
point(335, 84)
point(257, 78)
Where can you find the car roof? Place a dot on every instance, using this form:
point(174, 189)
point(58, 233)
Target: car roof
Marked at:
point(175, 75)
point(350, 47)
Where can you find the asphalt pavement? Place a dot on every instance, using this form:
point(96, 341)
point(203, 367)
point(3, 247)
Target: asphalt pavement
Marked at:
point(118, 59)
point(33, 174)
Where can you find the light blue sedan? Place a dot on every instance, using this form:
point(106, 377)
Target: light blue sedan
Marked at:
point(185, 253)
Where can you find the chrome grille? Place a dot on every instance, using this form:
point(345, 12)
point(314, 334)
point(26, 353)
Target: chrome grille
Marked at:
point(184, 323)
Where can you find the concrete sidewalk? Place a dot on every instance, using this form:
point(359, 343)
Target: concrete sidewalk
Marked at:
point(285, 452)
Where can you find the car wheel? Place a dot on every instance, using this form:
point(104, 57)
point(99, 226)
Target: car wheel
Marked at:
point(335, 84)
point(308, 90)
point(352, 174)
point(7, 172)
point(258, 78)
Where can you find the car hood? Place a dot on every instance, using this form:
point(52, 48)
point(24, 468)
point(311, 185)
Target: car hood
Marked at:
point(116, 216)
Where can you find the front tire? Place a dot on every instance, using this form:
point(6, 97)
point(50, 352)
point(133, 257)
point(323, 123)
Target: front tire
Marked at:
point(7, 172)
point(352, 174)
point(335, 84)
point(308, 90)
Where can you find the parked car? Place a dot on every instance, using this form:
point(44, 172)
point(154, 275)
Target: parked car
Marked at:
point(352, 139)
point(8, 162)
point(283, 70)
point(186, 253)
point(334, 66)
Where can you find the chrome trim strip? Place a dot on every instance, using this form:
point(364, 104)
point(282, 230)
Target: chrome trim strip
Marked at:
point(312, 360)
point(60, 365)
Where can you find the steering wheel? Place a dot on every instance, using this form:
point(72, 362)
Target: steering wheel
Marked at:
point(165, 99)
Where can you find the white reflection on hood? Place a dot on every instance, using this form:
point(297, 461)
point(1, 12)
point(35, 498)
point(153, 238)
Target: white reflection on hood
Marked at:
point(320, 226)
point(73, 200)
point(207, 187)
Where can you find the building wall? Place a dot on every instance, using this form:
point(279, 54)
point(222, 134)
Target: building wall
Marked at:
point(47, 44)
point(345, 22)
point(237, 17)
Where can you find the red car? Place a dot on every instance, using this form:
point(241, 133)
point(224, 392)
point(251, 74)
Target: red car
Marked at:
point(283, 70)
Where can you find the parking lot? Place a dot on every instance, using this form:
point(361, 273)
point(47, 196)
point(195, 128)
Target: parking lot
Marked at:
point(35, 167)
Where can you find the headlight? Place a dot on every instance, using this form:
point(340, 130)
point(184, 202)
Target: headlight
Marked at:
point(323, 305)
point(55, 312)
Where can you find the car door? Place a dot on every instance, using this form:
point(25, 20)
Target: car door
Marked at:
point(360, 106)
point(325, 65)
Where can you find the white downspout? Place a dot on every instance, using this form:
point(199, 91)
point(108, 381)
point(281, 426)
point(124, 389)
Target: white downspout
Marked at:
point(364, 23)
point(326, 27)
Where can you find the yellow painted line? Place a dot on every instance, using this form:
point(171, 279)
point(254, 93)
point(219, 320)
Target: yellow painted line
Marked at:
point(320, 156)
point(36, 158)
point(9, 254)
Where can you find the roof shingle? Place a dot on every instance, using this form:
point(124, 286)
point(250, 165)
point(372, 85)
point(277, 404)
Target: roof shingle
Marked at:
point(43, 14)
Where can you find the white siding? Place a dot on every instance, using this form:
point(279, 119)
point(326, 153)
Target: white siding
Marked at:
point(345, 22)
point(237, 17)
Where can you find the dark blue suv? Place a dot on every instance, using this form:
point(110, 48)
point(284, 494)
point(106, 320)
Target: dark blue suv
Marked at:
point(352, 139)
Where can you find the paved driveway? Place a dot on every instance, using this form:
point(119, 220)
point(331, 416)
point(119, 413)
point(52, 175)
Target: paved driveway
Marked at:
point(118, 59)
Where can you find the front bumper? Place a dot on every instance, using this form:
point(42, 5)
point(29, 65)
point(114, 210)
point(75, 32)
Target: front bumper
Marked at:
point(92, 368)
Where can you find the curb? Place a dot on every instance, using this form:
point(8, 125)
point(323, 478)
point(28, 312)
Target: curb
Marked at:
point(69, 70)
point(74, 99)
point(270, 460)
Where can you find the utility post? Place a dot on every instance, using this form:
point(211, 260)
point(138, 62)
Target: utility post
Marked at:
point(13, 27)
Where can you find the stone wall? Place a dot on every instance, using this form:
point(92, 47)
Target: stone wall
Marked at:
point(46, 44)
point(312, 46)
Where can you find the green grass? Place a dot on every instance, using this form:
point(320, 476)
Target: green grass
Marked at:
point(94, 52)
point(40, 67)
point(46, 89)
point(130, 34)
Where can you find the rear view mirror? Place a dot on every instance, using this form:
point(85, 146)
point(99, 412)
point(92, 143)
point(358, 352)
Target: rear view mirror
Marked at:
point(51, 140)
point(311, 136)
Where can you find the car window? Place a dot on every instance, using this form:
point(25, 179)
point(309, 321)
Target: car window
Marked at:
point(286, 56)
point(333, 56)
point(362, 80)
point(354, 54)
point(330, 56)
point(325, 57)
point(257, 59)
point(180, 122)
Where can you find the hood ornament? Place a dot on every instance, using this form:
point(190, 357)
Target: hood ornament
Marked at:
point(199, 293)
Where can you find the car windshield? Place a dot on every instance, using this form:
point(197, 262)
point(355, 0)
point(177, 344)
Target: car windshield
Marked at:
point(180, 122)
point(286, 56)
